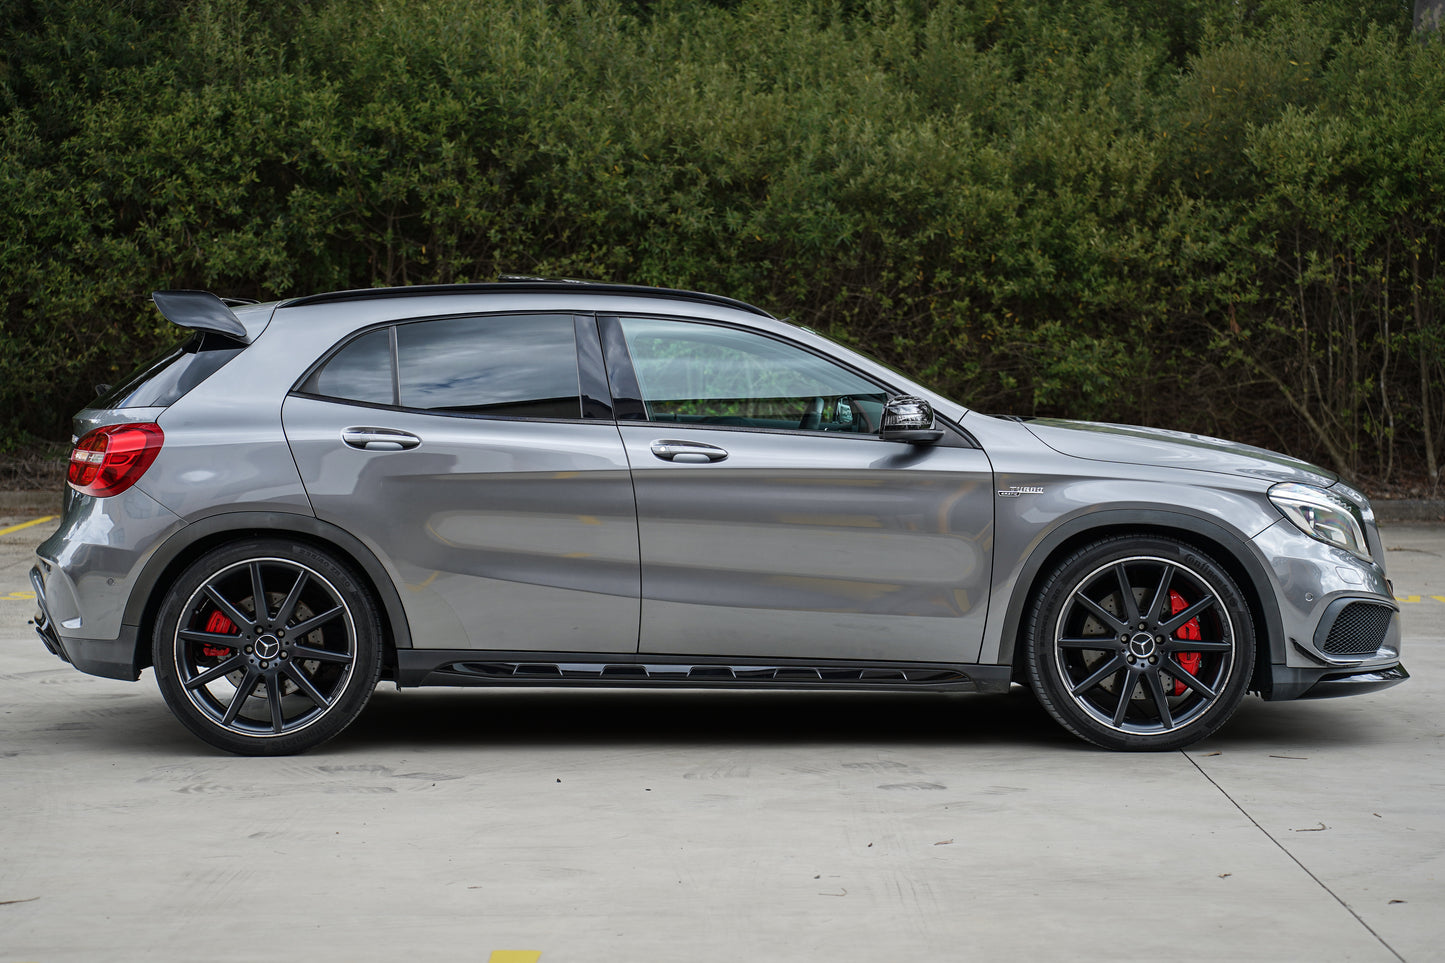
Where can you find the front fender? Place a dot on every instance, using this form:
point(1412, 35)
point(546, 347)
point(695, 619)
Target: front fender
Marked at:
point(1238, 554)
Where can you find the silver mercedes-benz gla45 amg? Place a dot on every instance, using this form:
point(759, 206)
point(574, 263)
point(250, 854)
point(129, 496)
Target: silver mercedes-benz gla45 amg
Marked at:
point(561, 484)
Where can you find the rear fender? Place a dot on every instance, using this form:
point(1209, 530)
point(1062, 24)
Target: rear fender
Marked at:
point(172, 555)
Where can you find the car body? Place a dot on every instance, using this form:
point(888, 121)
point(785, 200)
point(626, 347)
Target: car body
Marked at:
point(557, 483)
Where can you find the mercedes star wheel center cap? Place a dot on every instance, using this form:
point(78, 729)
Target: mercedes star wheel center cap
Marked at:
point(267, 646)
point(1141, 646)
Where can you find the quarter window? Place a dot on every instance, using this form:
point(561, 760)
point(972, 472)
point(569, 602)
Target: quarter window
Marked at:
point(710, 374)
point(361, 371)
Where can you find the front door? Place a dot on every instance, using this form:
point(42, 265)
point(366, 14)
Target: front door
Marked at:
point(774, 522)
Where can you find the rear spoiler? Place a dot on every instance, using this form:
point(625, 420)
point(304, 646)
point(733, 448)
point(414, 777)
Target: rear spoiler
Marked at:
point(201, 311)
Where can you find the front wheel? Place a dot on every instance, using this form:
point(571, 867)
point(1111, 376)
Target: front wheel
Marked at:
point(1140, 642)
point(267, 647)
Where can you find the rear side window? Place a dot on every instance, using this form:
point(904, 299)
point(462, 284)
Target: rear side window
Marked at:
point(165, 379)
point(522, 366)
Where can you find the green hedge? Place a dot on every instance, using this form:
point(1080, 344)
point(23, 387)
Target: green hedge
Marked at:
point(1219, 217)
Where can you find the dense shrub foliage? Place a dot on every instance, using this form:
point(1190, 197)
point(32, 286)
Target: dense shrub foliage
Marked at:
point(1223, 217)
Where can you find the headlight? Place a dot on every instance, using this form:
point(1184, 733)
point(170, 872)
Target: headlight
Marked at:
point(1322, 515)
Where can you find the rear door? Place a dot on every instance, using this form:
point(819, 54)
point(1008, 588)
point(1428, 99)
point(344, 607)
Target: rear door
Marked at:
point(480, 462)
point(774, 522)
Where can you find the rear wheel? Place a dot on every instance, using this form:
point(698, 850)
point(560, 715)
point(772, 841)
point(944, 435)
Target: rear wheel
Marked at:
point(1140, 643)
point(267, 647)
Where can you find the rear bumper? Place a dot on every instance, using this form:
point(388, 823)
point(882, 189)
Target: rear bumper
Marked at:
point(1293, 683)
point(110, 658)
point(86, 573)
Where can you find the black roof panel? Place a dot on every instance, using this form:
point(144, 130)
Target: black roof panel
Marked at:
point(523, 285)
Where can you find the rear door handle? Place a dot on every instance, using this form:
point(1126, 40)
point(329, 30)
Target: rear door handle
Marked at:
point(687, 451)
point(379, 439)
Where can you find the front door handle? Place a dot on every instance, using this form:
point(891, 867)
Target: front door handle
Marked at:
point(687, 451)
point(379, 439)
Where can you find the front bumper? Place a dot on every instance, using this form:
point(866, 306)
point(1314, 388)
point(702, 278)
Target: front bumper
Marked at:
point(1294, 683)
point(1340, 624)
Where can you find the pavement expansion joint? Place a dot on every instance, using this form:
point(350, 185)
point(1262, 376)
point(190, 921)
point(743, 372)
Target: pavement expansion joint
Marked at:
point(1293, 858)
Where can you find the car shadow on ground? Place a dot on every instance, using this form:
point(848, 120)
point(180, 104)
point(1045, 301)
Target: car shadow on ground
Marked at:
point(579, 717)
point(415, 720)
point(520, 717)
point(1360, 722)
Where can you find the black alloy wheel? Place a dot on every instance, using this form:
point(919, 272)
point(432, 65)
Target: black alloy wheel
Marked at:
point(1140, 643)
point(267, 647)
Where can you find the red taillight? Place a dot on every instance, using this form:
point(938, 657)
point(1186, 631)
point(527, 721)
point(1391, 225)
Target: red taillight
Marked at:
point(109, 460)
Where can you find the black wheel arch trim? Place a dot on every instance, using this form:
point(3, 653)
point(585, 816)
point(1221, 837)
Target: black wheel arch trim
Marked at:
point(1119, 521)
point(141, 609)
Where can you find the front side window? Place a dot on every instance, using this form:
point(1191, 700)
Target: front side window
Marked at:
point(522, 366)
point(714, 375)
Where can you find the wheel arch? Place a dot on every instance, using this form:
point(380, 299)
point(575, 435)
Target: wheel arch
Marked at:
point(1226, 547)
point(194, 540)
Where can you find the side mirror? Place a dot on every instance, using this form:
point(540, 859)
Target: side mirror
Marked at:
point(909, 419)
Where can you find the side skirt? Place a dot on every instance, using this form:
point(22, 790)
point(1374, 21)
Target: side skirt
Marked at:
point(472, 667)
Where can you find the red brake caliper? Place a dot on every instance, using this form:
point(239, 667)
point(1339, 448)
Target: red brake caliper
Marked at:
point(1188, 632)
point(219, 625)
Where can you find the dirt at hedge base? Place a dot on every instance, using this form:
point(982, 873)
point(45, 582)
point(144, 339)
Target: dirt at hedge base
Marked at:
point(33, 472)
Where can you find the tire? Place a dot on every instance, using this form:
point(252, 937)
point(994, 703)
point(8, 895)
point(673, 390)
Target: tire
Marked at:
point(280, 683)
point(1158, 667)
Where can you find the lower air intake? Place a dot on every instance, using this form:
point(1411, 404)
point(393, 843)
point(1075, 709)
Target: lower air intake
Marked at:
point(1358, 630)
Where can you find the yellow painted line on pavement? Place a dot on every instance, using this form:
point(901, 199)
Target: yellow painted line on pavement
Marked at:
point(18, 597)
point(24, 525)
point(515, 956)
point(1415, 599)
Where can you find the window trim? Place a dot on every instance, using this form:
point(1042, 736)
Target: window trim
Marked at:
point(592, 383)
point(623, 392)
point(395, 360)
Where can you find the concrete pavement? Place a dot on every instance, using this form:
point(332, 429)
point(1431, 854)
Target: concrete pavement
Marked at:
point(618, 826)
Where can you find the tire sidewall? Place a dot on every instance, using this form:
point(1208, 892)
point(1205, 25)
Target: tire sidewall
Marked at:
point(1041, 665)
point(366, 666)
